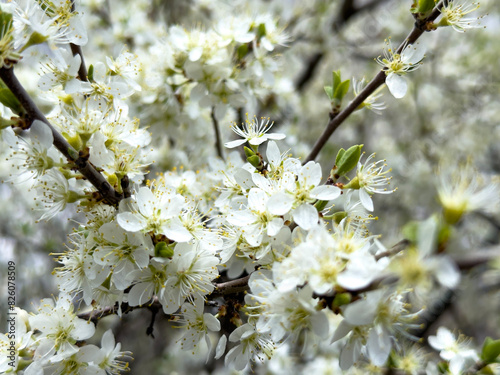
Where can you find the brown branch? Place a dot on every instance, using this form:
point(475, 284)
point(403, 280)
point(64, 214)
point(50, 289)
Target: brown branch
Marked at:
point(218, 143)
point(231, 287)
point(397, 248)
point(376, 82)
point(221, 289)
point(86, 169)
point(77, 50)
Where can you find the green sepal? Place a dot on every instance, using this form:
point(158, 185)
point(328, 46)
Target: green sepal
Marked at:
point(490, 350)
point(74, 141)
point(248, 152)
point(8, 99)
point(348, 160)
point(163, 250)
point(90, 73)
point(329, 92)
point(23, 363)
point(73, 154)
point(73, 196)
point(34, 39)
point(353, 184)
point(107, 283)
point(254, 160)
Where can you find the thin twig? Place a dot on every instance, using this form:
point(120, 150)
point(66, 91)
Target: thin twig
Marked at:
point(379, 79)
point(77, 50)
point(397, 248)
point(86, 169)
point(218, 143)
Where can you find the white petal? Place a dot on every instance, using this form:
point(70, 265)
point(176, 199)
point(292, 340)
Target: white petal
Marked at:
point(234, 144)
point(221, 347)
point(280, 203)
point(241, 218)
point(310, 174)
point(274, 226)
point(277, 136)
point(342, 330)
point(195, 53)
point(177, 232)
point(379, 347)
point(257, 200)
point(365, 199)
point(306, 216)
point(447, 273)
point(360, 313)
point(325, 192)
point(211, 322)
point(320, 325)
point(397, 85)
point(140, 294)
point(131, 222)
point(41, 133)
point(146, 201)
point(273, 153)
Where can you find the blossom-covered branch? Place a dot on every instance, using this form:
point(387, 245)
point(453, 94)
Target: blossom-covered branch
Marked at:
point(108, 193)
point(337, 120)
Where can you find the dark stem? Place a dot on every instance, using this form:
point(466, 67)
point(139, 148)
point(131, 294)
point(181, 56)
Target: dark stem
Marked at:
point(397, 248)
point(231, 287)
point(86, 169)
point(218, 143)
point(375, 83)
point(77, 50)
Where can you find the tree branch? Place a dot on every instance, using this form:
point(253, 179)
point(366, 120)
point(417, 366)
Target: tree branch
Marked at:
point(377, 81)
point(86, 169)
point(397, 248)
point(231, 287)
point(218, 143)
point(77, 50)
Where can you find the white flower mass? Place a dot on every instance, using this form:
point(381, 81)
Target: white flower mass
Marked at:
point(185, 151)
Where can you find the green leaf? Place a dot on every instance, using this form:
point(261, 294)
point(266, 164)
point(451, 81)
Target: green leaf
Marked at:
point(349, 159)
point(90, 73)
point(329, 92)
point(491, 350)
point(248, 152)
point(336, 80)
point(342, 90)
point(339, 156)
point(425, 6)
point(8, 99)
point(254, 160)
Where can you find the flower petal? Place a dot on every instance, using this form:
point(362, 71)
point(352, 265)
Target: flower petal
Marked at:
point(397, 85)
